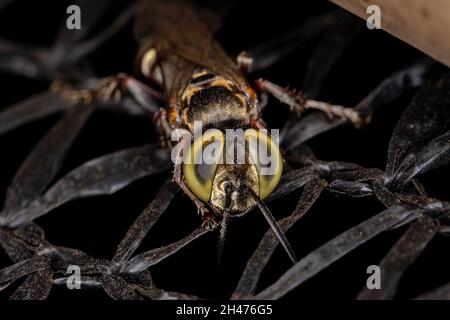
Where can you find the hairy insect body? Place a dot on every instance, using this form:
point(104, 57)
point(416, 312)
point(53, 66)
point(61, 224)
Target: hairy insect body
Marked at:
point(214, 101)
point(217, 102)
point(202, 84)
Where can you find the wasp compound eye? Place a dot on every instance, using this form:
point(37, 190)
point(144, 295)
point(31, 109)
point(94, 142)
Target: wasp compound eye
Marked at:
point(265, 154)
point(200, 163)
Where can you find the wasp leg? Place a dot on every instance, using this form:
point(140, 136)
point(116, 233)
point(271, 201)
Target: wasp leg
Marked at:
point(163, 122)
point(166, 121)
point(135, 98)
point(298, 103)
point(209, 220)
point(244, 62)
point(111, 90)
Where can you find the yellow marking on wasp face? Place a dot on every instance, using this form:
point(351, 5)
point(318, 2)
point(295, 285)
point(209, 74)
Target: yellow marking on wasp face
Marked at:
point(147, 61)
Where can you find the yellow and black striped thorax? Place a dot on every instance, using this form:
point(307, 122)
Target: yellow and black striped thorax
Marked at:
point(215, 101)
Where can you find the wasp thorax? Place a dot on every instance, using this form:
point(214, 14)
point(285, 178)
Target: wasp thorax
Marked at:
point(231, 187)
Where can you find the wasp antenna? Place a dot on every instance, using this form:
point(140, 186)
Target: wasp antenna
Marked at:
point(275, 227)
point(222, 238)
point(224, 225)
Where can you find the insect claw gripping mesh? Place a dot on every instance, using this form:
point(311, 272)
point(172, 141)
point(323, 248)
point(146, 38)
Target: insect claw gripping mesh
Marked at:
point(420, 142)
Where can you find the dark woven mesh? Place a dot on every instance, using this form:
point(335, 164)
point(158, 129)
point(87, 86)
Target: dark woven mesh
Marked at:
point(385, 183)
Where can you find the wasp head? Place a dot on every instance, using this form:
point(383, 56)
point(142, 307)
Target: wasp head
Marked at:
point(231, 187)
point(228, 185)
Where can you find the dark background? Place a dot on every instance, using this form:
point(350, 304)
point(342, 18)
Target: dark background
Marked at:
point(98, 224)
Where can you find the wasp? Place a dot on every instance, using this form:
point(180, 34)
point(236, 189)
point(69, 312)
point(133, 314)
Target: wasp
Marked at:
point(182, 64)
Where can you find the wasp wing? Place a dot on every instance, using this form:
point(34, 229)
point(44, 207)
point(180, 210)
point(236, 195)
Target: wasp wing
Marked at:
point(183, 35)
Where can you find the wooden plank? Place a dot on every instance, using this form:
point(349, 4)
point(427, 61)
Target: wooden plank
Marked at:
point(424, 24)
